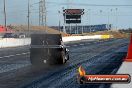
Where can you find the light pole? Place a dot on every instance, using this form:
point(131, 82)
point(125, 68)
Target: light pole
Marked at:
point(89, 10)
point(5, 14)
point(116, 18)
point(59, 22)
point(108, 17)
point(111, 20)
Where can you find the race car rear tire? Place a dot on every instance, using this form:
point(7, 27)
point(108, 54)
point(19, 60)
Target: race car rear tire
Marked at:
point(62, 58)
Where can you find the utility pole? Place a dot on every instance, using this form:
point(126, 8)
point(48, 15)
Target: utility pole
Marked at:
point(39, 13)
point(42, 14)
point(5, 14)
point(28, 17)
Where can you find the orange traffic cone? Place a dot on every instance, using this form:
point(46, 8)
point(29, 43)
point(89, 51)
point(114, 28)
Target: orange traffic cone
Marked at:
point(129, 54)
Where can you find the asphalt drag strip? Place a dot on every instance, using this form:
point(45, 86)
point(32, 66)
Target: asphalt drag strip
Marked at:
point(95, 57)
point(66, 78)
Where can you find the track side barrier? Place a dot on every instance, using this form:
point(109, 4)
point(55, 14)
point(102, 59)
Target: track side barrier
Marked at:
point(12, 42)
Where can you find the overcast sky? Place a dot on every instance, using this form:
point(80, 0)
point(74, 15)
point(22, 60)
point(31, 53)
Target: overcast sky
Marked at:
point(122, 17)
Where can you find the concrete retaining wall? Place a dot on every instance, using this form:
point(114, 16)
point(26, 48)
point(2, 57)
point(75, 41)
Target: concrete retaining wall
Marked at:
point(12, 42)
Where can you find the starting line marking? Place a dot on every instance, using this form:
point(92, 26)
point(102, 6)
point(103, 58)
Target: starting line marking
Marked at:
point(14, 55)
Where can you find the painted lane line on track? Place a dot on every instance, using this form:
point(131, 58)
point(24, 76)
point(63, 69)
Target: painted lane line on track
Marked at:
point(75, 45)
point(95, 42)
point(88, 43)
point(67, 46)
point(81, 44)
point(14, 55)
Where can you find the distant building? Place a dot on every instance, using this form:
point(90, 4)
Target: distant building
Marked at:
point(84, 28)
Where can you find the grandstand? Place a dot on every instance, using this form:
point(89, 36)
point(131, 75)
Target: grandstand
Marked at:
point(84, 28)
